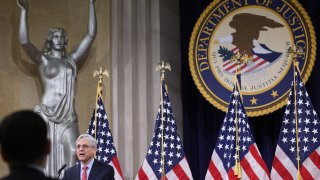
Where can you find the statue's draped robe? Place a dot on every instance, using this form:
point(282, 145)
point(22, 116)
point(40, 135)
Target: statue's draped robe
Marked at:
point(61, 119)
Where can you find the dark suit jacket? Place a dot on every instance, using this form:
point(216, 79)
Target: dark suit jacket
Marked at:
point(99, 171)
point(25, 173)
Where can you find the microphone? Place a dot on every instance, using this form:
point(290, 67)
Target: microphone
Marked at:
point(60, 170)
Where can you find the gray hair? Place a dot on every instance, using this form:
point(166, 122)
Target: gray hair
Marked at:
point(92, 142)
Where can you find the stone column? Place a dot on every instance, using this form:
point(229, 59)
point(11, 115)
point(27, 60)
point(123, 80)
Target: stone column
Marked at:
point(140, 39)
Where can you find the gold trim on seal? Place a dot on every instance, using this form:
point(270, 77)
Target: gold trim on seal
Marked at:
point(250, 111)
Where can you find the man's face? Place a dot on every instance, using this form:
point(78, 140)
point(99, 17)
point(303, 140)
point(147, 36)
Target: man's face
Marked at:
point(85, 152)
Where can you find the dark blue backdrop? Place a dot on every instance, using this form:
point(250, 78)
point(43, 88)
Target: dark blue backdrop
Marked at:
point(202, 121)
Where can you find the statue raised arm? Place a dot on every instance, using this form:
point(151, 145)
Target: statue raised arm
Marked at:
point(58, 72)
point(28, 47)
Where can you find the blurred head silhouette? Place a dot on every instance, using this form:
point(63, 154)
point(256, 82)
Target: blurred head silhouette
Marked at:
point(23, 139)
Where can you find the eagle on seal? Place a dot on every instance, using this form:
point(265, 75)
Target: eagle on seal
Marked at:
point(247, 30)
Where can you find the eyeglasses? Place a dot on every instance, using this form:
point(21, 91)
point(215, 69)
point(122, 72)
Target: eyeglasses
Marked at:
point(84, 146)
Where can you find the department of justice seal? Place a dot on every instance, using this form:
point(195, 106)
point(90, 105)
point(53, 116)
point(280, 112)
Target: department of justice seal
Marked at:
point(262, 29)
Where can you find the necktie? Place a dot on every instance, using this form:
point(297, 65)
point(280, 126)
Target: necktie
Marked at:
point(84, 173)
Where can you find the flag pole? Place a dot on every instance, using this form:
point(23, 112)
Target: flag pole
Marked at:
point(99, 72)
point(237, 171)
point(162, 66)
point(296, 118)
point(239, 58)
point(296, 52)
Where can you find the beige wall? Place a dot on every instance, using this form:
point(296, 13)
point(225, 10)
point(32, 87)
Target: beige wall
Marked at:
point(20, 87)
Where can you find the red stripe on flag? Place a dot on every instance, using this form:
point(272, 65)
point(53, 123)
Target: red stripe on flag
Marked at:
point(231, 175)
point(142, 175)
point(116, 164)
point(258, 65)
point(226, 63)
point(305, 174)
point(256, 58)
point(315, 158)
point(231, 67)
point(241, 67)
point(282, 171)
point(215, 173)
point(247, 168)
point(254, 152)
point(244, 66)
point(180, 172)
point(234, 49)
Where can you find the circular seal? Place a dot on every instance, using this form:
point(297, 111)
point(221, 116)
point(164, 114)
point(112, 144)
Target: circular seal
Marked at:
point(262, 29)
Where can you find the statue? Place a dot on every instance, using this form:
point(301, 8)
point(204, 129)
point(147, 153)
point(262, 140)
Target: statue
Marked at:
point(58, 73)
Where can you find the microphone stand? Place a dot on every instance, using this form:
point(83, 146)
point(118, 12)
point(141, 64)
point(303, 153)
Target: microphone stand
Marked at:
point(60, 170)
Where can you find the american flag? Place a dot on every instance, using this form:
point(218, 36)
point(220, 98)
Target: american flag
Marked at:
point(285, 164)
point(259, 61)
point(223, 161)
point(175, 163)
point(106, 152)
point(256, 63)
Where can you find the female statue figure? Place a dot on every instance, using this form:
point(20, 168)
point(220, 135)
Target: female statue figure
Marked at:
point(58, 72)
